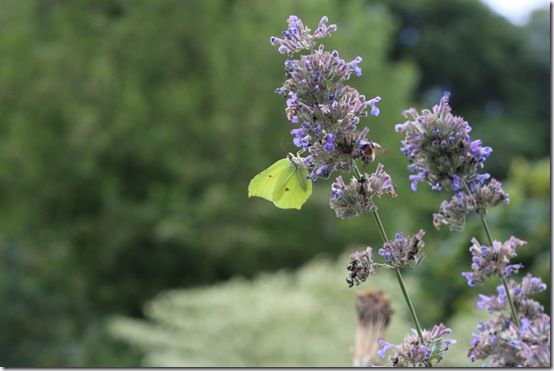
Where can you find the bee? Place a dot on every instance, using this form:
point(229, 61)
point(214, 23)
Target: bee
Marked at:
point(370, 150)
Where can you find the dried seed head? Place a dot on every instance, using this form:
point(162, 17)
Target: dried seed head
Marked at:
point(374, 313)
point(360, 267)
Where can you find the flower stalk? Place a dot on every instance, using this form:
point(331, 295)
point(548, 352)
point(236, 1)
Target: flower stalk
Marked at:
point(442, 154)
point(504, 283)
point(326, 114)
point(409, 303)
point(397, 273)
point(400, 279)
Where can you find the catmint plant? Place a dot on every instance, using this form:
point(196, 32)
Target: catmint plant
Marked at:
point(416, 353)
point(502, 343)
point(421, 347)
point(326, 113)
point(442, 154)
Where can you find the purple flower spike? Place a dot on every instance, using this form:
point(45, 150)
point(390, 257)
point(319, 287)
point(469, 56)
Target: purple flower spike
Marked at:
point(299, 37)
point(357, 197)
point(318, 97)
point(453, 213)
point(403, 251)
point(413, 353)
point(492, 260)
point(503, 344)
point(438, 145)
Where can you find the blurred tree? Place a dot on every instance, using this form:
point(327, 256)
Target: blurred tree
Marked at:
point(130, 130)
point(497, 72)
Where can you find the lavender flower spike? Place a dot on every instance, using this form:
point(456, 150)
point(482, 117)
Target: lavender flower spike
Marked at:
point(356, 198)
point(324, 110)
point(439, 148)
point(453, 213)
point(524, 305)
point(402, 251)
point(503, 344)
point(298, 37)
point(413, 353)
point(534, 342)
point(492, 260)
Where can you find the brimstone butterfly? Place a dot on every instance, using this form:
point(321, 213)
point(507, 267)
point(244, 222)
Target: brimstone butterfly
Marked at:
point(285, 183)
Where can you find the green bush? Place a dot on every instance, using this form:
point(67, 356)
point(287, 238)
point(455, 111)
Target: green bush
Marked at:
point(303, 318)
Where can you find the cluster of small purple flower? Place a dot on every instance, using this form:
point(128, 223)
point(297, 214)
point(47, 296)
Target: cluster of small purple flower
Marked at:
point(488, 261)
point(441, 153)
point(326, 110)
point(503, 344)
point(414, 353)
point(355, 198)
point(520, 291)
point(298, 37)
point(453, 213)
point(440, 150)
point(403, 251)
point(505, 341)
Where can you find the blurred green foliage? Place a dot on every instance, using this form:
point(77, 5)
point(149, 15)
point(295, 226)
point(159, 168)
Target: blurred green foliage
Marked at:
point(130, 131)
point(283, 319)
point(495, 70)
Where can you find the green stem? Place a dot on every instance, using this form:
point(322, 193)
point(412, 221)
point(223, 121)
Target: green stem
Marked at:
point(512, 307)
point(380, 226)
point(410, 305)
point(504, 283)
point(486, 228)
point(356, 170)
point(400, 280)
point(510, 301)
point(396, 270)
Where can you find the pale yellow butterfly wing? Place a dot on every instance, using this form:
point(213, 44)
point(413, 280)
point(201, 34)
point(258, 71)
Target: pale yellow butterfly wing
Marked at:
point(263, 184)
point(284, 183)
